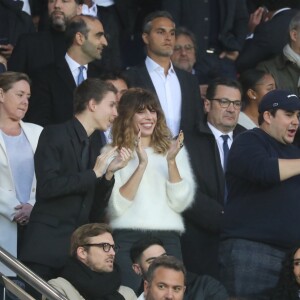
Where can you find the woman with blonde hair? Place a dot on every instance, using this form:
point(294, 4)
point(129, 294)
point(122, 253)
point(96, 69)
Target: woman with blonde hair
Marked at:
point(156, 186)
point(18, 141)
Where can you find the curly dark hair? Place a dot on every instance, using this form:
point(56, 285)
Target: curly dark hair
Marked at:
point(287, 287)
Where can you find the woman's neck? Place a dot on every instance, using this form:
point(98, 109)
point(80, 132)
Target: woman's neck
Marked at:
point(10, 127)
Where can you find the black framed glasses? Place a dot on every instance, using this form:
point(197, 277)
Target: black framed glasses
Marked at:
point(105, 246)
point(224, 102)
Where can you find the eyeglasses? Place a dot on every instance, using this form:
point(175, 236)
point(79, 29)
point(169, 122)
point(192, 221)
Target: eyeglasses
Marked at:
point(224, 103)
point(187, 48)
point(105, 246)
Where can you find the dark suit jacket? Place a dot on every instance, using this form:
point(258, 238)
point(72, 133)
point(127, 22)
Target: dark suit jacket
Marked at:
point(37, 50)
point(269, 39)
point(13, 21)
point(67, 196)
point(52, 94)
point(203, 218)
point(192, 105)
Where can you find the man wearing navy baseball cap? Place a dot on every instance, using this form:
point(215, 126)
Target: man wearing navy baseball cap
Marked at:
point(261, 218)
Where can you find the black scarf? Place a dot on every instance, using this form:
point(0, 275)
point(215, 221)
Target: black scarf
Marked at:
point(93, 285)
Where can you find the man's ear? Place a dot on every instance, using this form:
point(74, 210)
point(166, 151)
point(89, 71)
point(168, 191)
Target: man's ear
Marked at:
point(207, 105)
point(146, 287)
point(145, 38)
point(81, 253)
point(137, 269)
point(92, 105)
point(267, 117)
point(1, 95)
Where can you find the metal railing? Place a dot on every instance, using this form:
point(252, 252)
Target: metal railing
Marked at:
point(30, 277)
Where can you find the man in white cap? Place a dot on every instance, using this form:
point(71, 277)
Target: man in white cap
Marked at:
point(261, 219)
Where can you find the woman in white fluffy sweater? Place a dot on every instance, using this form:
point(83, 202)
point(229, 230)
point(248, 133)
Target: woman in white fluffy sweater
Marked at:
point(156, 186)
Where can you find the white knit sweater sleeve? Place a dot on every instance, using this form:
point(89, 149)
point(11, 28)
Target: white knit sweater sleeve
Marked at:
point(181, 195)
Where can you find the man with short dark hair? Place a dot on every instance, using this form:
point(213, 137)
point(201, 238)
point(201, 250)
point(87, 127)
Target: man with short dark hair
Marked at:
point(90, 272)
point(53, 87)
point(145, 251)
point(205, 144)
point(74, 182)
point(36, 50)
point(261, 218)
point(165, 279)
point(177, 90)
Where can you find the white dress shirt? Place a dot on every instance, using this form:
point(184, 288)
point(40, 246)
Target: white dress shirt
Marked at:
point(168, 91)
point(74, 67)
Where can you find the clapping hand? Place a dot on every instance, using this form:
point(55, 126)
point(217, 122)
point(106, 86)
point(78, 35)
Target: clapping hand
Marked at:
point(175, 147)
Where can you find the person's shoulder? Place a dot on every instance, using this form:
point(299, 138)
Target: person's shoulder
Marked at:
point(32, 127)
point(127, 292)
point(66, 288)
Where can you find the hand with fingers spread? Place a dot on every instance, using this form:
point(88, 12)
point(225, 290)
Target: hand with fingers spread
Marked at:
point(101, 162)
point(140, 151)
point(23, 213)
point(119, 162)
point(175, 147)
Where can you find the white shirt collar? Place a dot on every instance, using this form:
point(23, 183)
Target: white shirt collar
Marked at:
point(154, 66)
point(73, 65)
point(280, 10)
point(217, 133)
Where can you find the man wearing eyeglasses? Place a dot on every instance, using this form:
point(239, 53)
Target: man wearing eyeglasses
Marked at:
point(90, 272)
point(205, 145)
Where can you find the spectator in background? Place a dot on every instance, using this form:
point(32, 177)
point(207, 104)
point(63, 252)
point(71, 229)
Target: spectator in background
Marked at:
point(269, 34)
point(184, 54)
point(18, 142)
point(157, 185)
point(119, 81)
point(36, 50)
point(13, 23)
point(255, 85)
point(288, 286)
point(285, 67)
point(220, 27)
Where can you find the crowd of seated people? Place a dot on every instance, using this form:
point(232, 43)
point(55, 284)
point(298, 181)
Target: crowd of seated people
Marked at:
point(170, 136)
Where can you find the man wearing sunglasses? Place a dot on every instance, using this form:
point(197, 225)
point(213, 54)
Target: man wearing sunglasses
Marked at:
point(90, 272)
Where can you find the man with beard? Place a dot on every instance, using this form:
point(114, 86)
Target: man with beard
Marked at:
point(36, 50)
point(177, 90)
point(90, 271)
point(52, 89)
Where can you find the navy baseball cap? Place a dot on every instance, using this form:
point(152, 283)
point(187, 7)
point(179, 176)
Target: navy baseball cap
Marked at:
point(282, 99)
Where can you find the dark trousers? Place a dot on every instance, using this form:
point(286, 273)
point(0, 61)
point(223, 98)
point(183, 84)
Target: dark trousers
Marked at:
point(125, 239)
point(249, 269)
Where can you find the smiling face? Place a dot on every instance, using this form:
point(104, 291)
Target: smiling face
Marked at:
point(95, 257)
point(93, 46)
point(224, 119)
point(161, 38)
point(61, 11)
point(283, 126)
point(14, 102)
point(145, 121)
point(167, 284)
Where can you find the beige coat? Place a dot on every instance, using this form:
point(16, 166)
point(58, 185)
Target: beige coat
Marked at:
point(69, 291)
point(8, 199)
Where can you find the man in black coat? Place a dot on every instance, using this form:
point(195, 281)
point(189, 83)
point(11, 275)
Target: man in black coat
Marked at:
point(73, 180)
point(269, 37)
point(177, 90)
point(36, 50)
point(53, 86)
point(200, 242)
